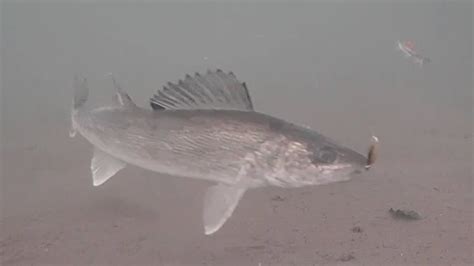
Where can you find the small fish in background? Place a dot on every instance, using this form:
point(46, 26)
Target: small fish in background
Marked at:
point(205, 127)
point(408, 49)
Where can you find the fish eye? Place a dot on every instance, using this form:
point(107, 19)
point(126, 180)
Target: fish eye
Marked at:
point(325, 155)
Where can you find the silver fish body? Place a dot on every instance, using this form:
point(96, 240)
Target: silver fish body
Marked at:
point(232, 147)
point(238, 148)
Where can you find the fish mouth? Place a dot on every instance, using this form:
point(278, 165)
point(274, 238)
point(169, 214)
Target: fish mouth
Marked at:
point(372, 153)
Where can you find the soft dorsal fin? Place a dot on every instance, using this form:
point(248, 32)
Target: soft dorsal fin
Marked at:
point(213, 90)
point(121, 97)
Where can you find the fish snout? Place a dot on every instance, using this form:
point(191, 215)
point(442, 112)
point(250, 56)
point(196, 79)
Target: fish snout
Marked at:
point(361, 162)
point(372, 153)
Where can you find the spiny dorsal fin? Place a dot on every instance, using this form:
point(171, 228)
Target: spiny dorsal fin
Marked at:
point(213, 90)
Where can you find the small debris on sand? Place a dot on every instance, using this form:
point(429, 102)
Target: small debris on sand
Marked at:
point(278, 198)
point(404, 214)
point(357, 229)
point(346, 257)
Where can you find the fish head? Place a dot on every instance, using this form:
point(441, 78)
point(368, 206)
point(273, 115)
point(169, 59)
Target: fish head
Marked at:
point(320, 161)
point(334, 163)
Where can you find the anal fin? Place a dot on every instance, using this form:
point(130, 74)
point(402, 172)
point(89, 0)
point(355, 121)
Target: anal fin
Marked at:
point(104, 166)
point(219, 204)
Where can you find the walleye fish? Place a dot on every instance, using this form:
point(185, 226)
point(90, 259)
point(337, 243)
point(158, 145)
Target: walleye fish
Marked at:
point(205, 127)
point(408, 49)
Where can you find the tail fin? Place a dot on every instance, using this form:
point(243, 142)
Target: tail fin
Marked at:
point(81, 93)
point(421, 61)
point(425, 60)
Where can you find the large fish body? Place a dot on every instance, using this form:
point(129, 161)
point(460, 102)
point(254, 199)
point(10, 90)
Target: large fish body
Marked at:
point(205, 128)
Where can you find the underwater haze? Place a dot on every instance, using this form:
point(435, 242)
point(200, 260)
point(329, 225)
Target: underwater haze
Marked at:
point(331, 65)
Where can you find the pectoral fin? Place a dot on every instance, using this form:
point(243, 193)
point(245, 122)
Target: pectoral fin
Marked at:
point(104, 166)
point(219, 204)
